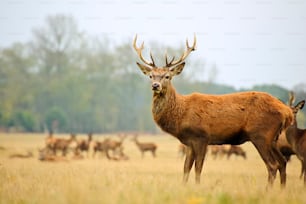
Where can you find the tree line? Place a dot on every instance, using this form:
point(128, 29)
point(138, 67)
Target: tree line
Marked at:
point(66, 81)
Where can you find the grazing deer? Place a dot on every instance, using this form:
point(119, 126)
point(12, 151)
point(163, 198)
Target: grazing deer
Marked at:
point(296, 137)
point(84, 145)
point(201, 119)
point(29, 154)
point(63, 144)
point(144, 147)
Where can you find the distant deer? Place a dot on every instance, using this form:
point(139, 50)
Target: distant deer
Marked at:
point(237, 150)
point(44, 155)
point(145, 147)
point(114, 145)
point(50, 141)
point(84, 145)
point(29, 154)
point(217, 150)
point(63, 144)
point(201, 119)
point(297, 139)
point(101, 147)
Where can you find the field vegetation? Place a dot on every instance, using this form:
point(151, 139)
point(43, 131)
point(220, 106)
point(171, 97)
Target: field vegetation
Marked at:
point(138, 180)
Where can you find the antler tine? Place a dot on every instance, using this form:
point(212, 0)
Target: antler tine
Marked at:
point(185, 54)
point(166, 57)
point(139, 52)
point(291, 98)
point(153, 63)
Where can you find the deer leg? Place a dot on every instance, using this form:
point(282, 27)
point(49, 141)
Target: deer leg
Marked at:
point(200, 151)
point(266, 153)
point(153, 153)
point(304, 171)
point(189, 160)
point(282, 164)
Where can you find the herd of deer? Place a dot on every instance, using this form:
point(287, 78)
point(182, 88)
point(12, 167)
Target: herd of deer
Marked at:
point(198, 120)
point(112, 149)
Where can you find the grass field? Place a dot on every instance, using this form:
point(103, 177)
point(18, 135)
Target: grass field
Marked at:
point(148, 180)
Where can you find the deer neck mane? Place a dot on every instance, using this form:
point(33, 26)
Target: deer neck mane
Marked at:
point(166, 109)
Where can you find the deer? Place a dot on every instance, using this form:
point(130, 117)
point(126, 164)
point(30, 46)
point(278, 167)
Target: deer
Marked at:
point(145, 147)
point(216, 150)
point(63, 144)
point(29, 154)
point(199, 119)
point(237, 150)
point(296, 137)
point(113, 145)
point(46, 156)
point(84, 145)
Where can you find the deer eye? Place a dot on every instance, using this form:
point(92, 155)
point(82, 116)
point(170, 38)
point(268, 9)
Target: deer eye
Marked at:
point(167, 77)
point(150, 76)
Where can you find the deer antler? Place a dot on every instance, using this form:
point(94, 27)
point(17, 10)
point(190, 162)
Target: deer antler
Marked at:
point(184, 55)
point(291, 98)
point(139, 52)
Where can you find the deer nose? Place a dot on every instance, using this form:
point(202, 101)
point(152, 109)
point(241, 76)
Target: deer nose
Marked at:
point(155, 85)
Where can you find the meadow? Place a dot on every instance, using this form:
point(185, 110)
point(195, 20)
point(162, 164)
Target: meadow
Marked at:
point(138, 180)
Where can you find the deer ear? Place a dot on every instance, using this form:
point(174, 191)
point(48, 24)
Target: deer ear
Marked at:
point(177, 69)
point(299, 106)
point(146, 70)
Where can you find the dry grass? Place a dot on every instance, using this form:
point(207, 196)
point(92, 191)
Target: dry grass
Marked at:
point(138, 180)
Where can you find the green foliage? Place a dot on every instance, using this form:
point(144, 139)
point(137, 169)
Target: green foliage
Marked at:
point(25, 120)
point(55, 119)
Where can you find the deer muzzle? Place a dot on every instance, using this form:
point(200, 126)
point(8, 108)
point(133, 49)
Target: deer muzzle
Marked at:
point(156, 86)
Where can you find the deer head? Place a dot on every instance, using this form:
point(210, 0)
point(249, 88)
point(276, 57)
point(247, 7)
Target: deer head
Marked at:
point(161, 76)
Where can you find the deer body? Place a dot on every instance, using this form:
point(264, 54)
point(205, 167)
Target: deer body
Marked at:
point(221, 119)
point(201, 119)
point(145, 147)
point(297, 139)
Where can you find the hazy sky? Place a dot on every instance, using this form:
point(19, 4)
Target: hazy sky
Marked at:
point(251, 42)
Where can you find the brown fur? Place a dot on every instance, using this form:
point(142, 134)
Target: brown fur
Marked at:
point(201, 119)
point(217, 150)
point(84, 145)
point(62, 144)
point(297, 139)
point(237, 150)
point(144, 147)
point(228, 150)
point(284, 147)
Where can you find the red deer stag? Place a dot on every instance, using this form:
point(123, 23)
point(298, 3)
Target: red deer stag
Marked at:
point(297, 139)
point(145, 147)
point(201, 119)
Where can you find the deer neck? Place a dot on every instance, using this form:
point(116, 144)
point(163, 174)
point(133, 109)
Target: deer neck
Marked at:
point(166, 109)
